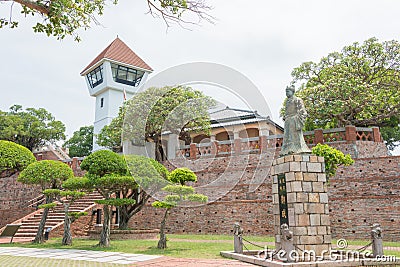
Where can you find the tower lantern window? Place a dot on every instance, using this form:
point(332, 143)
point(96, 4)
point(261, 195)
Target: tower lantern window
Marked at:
point(125, 75)
point(95, 77)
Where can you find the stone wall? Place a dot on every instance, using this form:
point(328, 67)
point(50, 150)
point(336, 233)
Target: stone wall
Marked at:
point(367, 192)
point(14, 197)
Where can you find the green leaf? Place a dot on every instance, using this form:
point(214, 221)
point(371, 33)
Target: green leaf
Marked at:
point(356, 86)
point(49, 174)
point(47, 206)
point(333, 158)
point(14, 156)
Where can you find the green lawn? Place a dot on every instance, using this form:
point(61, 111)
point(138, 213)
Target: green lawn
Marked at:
point(180, 246)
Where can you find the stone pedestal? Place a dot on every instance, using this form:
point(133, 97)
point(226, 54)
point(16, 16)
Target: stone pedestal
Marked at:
point(300, 199)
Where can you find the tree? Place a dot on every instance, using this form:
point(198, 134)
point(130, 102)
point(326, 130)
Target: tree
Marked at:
point(31, 128)
point(177, 192)
point(81, 142)
point(48, 174)
point(179, 110)
point(106, 172)
point(65, 17)
point(148, 177)
point(72, 191)
point(357, 86)
point(333, 158)
point(144, 117)
point(14, 157)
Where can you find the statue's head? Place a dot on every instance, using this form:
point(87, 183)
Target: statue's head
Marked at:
point(290, 90)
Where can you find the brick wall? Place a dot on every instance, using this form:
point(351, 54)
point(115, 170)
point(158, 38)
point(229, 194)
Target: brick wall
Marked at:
point(367, 192)
point(14, 197)
point(360, 195)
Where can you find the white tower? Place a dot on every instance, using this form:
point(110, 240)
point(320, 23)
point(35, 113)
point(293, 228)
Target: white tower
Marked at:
point(113, 76)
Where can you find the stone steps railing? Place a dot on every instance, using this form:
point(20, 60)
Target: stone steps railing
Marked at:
point(348, 134)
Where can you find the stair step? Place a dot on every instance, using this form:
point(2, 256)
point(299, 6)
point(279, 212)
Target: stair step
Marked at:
point(25, 226)
point(25, 235)
point(56, 216)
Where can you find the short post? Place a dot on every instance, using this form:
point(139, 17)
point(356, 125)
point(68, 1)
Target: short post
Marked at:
point(263, 143)
point(318, 136)
point(214, 148)
point(74, 164)
point(376, 235)
point(47, 233)
point(237, 146)
point(287, 242)
point(193, 151)
point(377, 134)
point(238, 238)
point(351, 134)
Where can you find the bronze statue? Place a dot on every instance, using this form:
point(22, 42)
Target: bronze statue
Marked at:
point(295, 116)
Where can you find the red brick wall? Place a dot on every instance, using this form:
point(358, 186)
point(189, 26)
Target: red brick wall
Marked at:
point(14, 197)
point(367, 192)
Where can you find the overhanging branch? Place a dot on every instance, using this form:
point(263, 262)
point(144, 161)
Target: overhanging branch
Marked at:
point(44, 10)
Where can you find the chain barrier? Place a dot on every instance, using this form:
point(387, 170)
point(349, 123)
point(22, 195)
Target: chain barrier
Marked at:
point(252, 243)
point(364, 247)
point(264, 248)
point(245, 246)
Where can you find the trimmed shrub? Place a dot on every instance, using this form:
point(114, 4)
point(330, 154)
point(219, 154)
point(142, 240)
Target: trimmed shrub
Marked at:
point(14, 157)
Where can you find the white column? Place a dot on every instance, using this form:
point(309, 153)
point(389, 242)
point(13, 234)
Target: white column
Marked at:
point(263, 131)
point(212, 138)
point(173, 145)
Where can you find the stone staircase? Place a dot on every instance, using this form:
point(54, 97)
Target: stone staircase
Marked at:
point(55, 218)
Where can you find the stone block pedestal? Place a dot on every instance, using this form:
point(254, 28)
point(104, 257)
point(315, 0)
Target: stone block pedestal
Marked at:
point(300, 199)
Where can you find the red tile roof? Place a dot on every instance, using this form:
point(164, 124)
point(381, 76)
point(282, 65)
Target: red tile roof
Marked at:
point(120, 52)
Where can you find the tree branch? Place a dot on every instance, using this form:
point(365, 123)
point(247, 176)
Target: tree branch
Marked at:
point(44, 10)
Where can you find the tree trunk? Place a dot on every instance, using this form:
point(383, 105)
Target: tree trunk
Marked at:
point(158, 149)
point(105, 231)
point(67, 238)
point(39, 235)
point(123, 218)
point(162, 243)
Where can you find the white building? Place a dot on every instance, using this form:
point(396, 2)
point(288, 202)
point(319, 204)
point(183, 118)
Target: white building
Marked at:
point(113, 76)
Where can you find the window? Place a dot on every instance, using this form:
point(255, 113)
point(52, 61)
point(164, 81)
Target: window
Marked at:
point(126, 75)
point(102, 102)
point(95, 77)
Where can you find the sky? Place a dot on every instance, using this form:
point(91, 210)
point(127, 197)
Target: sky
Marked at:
point(262, 39)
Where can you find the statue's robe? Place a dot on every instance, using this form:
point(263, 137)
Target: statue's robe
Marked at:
point(293, 139)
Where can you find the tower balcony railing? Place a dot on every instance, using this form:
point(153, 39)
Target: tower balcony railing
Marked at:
point(348, 134)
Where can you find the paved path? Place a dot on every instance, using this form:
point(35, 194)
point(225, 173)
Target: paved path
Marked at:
point(78, 255)
point(21, 255)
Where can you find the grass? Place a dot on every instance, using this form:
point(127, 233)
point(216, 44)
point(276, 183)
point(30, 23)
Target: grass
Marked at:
point(180, 246)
